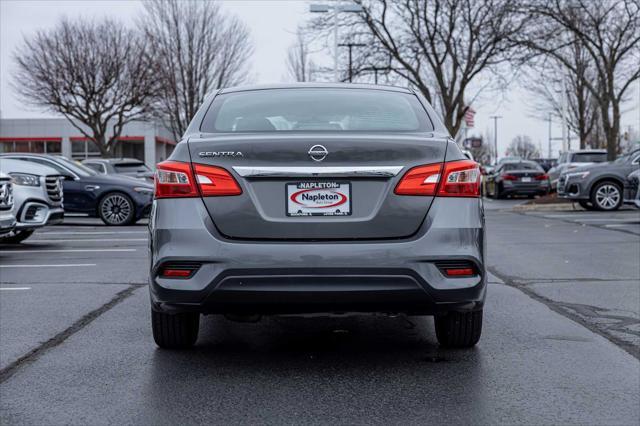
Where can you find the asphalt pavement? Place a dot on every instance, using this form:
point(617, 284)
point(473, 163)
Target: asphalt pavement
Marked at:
point(559, 345)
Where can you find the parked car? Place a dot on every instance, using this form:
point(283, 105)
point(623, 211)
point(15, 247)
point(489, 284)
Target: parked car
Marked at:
point(508, 160)
point(120, 166)
point(517, 178)
point(632, 189)
point(317, 198)
point(117, 200)
point(599, 186)
point(572, 159)
point(546, 163)
point(37, 197)
point(7, 217)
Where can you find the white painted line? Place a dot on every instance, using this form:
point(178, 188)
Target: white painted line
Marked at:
point(67, 265)
point(34, 240)
point(611, 220)
point(576, 216)
point(90, 232)
point(618, 225)
point(15, 288)
point(67, 250)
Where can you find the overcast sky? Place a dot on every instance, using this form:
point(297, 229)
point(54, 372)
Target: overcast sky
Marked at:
point(272, 25)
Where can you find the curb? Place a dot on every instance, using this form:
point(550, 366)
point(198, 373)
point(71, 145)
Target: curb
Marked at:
point(549, 207)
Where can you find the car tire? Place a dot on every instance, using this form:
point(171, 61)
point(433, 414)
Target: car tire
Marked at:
point(499, 195)
point(16, 237)
point(606, 196)
point(175, 331)
point(459, 329)
point(116, 209)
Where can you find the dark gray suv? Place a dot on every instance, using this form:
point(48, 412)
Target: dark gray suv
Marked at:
point(317, 198)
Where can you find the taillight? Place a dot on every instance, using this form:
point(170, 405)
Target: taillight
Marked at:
point(215, 181)
point(460, 179)
point(457, 268)
point(421, 180)
point(541, 177)
point(175, 179)
point(509, 177)
point(453, 179)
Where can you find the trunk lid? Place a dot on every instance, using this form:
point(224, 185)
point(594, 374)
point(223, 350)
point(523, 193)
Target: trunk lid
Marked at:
point(370, 165)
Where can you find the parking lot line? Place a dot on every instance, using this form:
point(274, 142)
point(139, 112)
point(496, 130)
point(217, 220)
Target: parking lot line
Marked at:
point(49, 266)
point(604, 219)
point(15, 288)
point(577, 216)
point(619, 225)
point(94, 240)
point(67, 250)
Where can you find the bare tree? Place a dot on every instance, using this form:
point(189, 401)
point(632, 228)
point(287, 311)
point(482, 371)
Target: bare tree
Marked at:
point(609, 33)
point(93, 73)
point(543, 79)
point(195, 48)
point(299, 65)
point(522, 146)
point(440, 47)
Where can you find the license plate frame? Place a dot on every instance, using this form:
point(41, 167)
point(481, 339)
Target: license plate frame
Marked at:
point(526, 179)
point(319, 188)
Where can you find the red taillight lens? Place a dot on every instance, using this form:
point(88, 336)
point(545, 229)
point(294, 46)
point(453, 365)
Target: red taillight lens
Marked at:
point(509, 177)
point(421, 180)
point(176, 180)
point(215, 181)
point(460, 179)
point(541, 177)
point(453, 179)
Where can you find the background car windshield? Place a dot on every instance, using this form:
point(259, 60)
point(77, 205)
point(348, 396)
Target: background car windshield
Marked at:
point(76, 168)
point(521, 166)
point(131, 168)
point(589, 157)
point(302, 110)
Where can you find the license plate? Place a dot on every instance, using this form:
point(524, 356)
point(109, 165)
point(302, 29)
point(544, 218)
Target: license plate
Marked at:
point(319, 199)
point(526, 179)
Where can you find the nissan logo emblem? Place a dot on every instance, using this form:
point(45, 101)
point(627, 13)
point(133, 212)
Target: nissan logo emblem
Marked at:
point(318, 152)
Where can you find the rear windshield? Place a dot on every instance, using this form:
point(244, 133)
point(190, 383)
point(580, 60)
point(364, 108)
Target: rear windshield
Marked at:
point(313, 110)
point(131, 168)
point(521, 166)
point(589, 157)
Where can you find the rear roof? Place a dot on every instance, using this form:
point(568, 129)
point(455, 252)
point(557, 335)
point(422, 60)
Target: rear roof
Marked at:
point(316, 86)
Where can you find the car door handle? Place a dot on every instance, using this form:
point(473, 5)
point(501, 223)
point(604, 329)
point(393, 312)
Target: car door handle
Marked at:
point(91, 187)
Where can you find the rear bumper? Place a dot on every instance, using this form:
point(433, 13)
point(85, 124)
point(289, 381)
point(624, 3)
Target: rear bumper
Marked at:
point(312, 277)
point(517, 188)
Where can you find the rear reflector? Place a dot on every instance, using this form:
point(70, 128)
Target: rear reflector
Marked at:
point(457, 268)
point(454, 272)
point(175, 179)
point(179, 269)
point(452, 179)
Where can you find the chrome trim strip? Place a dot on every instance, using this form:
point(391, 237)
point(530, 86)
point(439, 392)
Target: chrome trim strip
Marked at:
point(330, 171)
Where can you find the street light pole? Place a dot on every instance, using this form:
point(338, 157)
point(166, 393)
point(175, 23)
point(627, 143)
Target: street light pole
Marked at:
point(495, 133)
point(549, 149)
point(350, 46)
point(336, 7)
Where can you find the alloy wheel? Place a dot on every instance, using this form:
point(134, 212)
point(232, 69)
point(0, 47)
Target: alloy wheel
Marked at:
point(608, 196)
point(116, 209)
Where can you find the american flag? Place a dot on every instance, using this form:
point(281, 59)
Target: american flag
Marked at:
point(469, 113)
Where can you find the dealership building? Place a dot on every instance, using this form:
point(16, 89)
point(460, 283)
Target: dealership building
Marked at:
point(145, 140)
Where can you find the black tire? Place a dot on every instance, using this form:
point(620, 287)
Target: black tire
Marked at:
point(606, 196)
point(586, 205)
point(459, 329)
point(116, 209)
point(15, 237)
point(499, 195)
point(174, 331)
